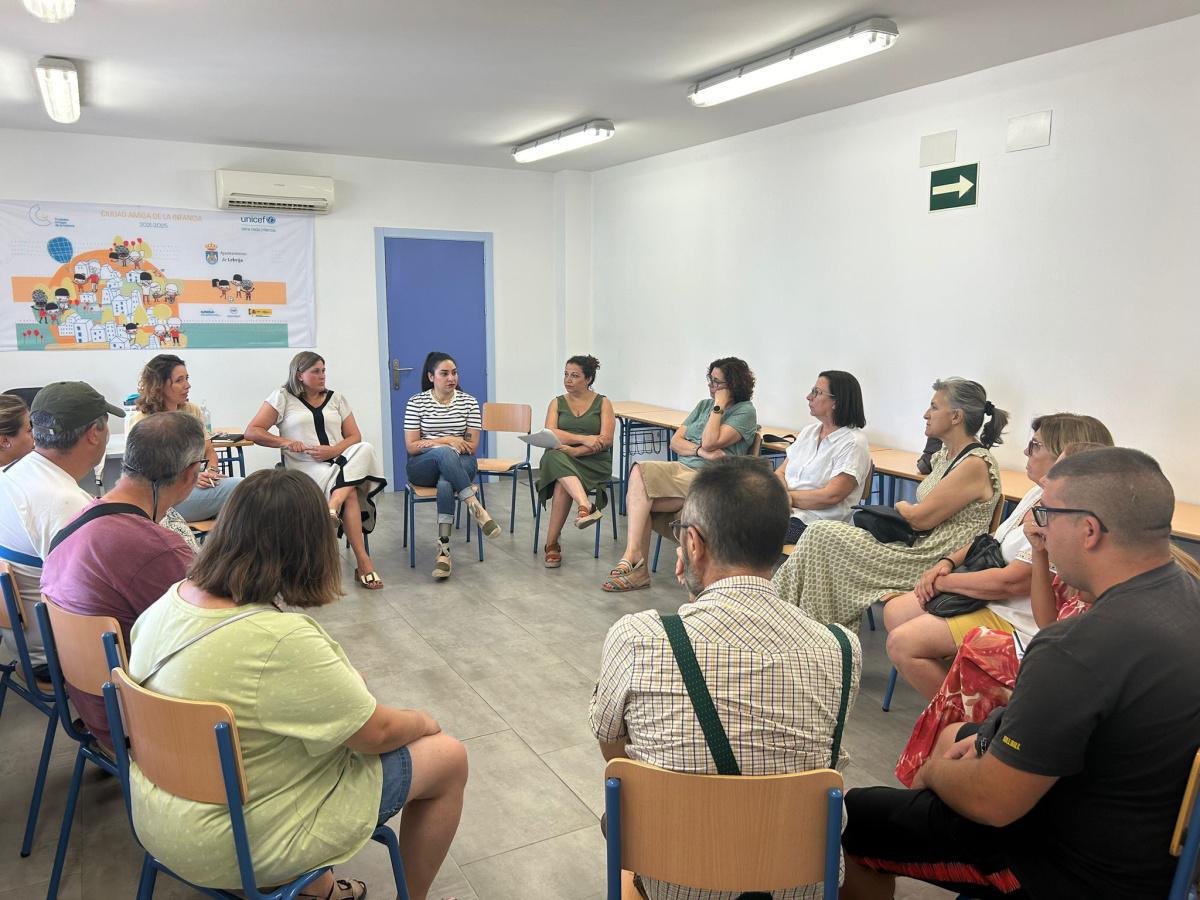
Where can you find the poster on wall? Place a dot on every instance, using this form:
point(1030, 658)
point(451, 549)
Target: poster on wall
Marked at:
point(86, 276)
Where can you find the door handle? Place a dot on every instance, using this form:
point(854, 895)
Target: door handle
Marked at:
point(396, 370)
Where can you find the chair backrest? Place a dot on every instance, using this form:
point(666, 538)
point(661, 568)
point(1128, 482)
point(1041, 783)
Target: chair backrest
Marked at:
point(514, 417)
point(867, 482)
point(997, 515)
point(1186, 808)
point(726, 833)
point(172, 741)
point(756, 444)
point(78, 641)
point(1185, 842)
point(10, 589)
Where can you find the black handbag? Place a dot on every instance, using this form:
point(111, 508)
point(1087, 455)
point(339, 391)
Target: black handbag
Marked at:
point(984, 554)
point(885, 524)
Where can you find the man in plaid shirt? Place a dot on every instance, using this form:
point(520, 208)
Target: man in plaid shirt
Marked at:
point(775, 674)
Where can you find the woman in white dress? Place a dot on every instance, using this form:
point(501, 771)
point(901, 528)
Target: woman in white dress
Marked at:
point(318, 436)
point(828, 463)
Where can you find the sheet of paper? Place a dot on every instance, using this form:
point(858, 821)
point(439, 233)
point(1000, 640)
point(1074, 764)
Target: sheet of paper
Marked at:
point(544, 439)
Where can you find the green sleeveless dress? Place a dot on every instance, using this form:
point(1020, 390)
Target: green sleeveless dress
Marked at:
point(593, 471)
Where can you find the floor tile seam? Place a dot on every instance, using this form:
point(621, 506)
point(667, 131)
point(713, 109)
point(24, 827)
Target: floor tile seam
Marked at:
point(463, 866)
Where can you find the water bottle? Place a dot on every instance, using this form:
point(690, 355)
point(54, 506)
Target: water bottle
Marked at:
point(207, 417)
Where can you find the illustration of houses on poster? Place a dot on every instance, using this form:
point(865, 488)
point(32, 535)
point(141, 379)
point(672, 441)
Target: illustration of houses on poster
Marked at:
point(83, 276)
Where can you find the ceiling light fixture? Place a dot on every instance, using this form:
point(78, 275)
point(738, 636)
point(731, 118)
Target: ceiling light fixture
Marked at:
point(834, 49)
point(51, 11)
point(59, 84)
point(561, 141)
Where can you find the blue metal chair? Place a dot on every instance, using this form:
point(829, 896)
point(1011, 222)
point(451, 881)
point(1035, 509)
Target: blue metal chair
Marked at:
point(611, 511)
point(18, 676)
point(891, 689)
point(414, 494)
point(84, 664)
point(510, 418)
point(728, 833)
point(1185, 842)
point(161, 733)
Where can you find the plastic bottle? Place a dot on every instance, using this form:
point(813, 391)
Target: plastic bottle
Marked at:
point(207, 417)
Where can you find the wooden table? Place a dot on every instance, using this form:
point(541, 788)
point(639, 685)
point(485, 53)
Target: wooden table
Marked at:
point(1015, 484)
point(230, 453)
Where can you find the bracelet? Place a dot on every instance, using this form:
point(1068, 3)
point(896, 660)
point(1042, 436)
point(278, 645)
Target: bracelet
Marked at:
point(947, 559)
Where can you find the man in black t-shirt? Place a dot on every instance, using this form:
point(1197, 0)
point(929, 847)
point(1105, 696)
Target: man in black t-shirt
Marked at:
point(1077, 793)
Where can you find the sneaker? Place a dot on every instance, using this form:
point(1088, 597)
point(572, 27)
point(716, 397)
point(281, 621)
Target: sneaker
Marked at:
point(441, 569)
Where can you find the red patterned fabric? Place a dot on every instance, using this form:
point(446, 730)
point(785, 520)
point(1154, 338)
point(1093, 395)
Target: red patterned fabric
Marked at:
point(980, 679)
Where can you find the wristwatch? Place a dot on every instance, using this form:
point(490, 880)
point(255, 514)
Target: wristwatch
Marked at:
point(716, 409)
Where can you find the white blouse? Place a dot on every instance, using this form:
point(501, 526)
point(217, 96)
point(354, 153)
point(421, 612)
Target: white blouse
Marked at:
point(1018, 611)
point(812, 463)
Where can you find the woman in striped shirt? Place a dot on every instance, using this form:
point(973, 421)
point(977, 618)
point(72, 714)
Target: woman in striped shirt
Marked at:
point(442, 426)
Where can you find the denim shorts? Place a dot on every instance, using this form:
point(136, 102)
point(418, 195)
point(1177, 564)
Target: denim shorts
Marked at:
point(397, 779)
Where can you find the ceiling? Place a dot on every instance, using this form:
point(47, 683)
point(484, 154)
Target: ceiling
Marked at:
point(461, 81)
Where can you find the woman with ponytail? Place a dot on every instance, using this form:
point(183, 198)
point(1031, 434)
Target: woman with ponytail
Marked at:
point(838, 570)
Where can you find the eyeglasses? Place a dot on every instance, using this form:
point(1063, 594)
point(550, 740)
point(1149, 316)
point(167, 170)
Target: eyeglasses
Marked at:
point(817, 392)
point(679, 526)
point(1033, 447)
point(1041, 514)
point(203, 464)
point(715, 382)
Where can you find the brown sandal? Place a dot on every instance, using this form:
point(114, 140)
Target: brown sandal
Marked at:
point(343, 889)
point(553, 557)
point(634, 578)
point(586, 516)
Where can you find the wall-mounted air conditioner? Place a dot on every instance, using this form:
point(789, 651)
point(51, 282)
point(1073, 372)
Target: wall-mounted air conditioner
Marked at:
point(284, 193)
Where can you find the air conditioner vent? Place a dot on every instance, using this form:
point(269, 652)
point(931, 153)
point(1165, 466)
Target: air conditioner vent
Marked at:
point(283, 193)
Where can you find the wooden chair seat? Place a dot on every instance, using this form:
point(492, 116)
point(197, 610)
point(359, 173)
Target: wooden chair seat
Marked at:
point(492, 466)
point(423, 493)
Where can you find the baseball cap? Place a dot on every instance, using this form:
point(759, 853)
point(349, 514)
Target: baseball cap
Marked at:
point(73, 404)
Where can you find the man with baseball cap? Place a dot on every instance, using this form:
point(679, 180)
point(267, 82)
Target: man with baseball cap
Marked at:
point(40, 493)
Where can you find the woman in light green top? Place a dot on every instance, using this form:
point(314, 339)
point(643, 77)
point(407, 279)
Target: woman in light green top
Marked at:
point(584, 423)
point(325, 763)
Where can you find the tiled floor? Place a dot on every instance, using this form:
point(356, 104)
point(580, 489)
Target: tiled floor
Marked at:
point(504, 655)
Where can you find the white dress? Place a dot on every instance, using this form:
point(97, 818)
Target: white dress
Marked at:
point(358, 466)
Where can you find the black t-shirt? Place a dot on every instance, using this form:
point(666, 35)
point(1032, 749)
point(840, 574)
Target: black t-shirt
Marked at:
point(1109, 702)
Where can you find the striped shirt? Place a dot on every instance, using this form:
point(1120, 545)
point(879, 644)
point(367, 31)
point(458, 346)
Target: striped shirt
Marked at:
point(434, 420)
point(775, 676)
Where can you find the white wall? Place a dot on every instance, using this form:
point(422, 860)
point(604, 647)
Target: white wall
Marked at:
point(517, 207)
point(1072, 286)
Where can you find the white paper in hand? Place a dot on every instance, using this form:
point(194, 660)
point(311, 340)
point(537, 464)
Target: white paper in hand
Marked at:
point(544, 439)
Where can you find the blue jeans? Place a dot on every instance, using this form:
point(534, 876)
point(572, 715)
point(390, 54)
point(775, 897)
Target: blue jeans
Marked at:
point(450, 471)
point(397, 779)
point(205, 503)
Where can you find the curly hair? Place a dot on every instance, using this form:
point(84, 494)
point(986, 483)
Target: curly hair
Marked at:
point(155, 376)
point(739, 379)
point(587, 364)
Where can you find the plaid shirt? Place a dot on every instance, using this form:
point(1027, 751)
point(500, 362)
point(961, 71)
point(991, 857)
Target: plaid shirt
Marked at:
point(775, 676)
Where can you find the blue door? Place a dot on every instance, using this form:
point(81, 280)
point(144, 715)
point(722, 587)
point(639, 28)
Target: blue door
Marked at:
point(436, 300)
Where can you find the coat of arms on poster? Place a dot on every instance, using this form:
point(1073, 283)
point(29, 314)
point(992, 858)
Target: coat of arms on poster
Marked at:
point(82, 276)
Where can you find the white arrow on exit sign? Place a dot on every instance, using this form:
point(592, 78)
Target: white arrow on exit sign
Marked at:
point(960, 188)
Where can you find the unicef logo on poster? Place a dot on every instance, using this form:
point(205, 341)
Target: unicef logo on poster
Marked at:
point(258, 220)
point(210, 254)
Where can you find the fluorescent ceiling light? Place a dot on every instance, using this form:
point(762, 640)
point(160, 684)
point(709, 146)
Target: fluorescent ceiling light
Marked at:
point(834, 49)
point(561, 141)
point(59, 84)
point(51, 11)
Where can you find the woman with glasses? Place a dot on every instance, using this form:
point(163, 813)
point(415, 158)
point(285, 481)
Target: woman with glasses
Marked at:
point(919, 643)
point(584, 423)
point(164, 386)
point(723, 425)
point(838, 570)
point(319, 436)
point(829, 461)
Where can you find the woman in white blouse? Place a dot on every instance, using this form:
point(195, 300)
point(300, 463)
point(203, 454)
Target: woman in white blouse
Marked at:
point(829, 460)
point(318, 436)
point(920, 644)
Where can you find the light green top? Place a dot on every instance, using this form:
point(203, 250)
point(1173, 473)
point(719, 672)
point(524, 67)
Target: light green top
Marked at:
point(741, 416)
point(296, 700)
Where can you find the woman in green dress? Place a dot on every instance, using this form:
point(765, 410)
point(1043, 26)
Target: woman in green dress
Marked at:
point(584, 423)
point(838, 570)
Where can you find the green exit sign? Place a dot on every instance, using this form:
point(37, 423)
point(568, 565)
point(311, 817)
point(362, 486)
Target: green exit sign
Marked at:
point(954, 187)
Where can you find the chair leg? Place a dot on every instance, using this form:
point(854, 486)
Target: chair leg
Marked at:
point(478, 536)
point(384, 835)
point(149, 875)
point(410, 506)
point(657, 548)
point(64, 836)
point(405, 544)
point(537, 527)
point(870, 619)
point(4, 688)
point(532, 494)
point(891, 688)
point(39, 784)
point(596, 552)
point(469, 517)
point(612, 506)
point(512, 509)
